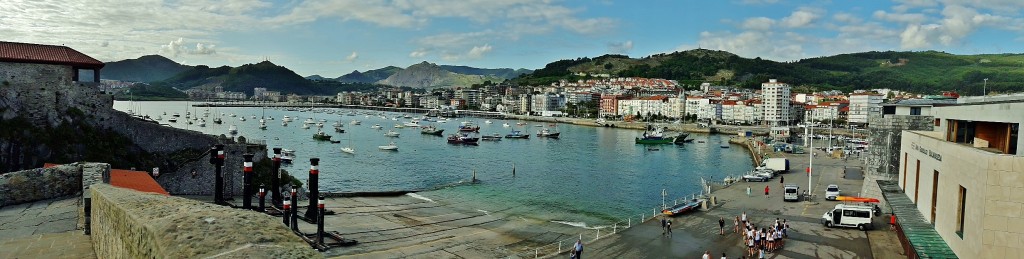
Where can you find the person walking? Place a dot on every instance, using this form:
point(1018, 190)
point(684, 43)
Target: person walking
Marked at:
point(579, 249)
point(736, 225)
point(707, 254)
point(668, 226)
point(782, 179)
point(766, 192)
point(892, 221)
point(721, 226)
point(748, 191)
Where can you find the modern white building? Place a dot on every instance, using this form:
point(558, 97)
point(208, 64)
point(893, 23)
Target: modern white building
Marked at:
point(693, 104)
point(677, 106)
point(861, 105)
point(547, 102)
point(964, 179)
point(775, 96)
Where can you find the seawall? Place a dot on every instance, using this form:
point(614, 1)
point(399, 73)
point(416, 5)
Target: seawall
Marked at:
point(131, 224)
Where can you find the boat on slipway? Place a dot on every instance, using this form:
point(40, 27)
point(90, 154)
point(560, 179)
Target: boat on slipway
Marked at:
point(681, 208)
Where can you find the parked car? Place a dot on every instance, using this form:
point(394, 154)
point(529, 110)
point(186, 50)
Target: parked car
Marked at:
point(831, 192)
point(755, 177)
point(791, 193)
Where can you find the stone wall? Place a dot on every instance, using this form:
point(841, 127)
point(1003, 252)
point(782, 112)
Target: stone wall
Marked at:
point(130, 224)
point(183, 182)
point(40, 184)
point(883, 155)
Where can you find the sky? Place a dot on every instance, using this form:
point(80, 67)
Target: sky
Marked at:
point(334, 37)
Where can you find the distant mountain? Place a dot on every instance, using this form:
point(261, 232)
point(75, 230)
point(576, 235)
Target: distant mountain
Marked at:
point(920, 72)
point(506, 73)
point(370, 76)
point(315, 77)
point(429, 75)
point(156, 92)
point(143, 69)
point(244, 78)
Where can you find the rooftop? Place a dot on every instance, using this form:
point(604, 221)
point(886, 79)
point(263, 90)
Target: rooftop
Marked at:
point(46, 54)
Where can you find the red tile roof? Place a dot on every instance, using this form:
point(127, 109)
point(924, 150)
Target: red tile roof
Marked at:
point(46, 54)
point(135, 180)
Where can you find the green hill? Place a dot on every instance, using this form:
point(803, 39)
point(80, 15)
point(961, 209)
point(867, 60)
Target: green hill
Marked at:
point(143, 69)
point(243, 79)
point(154, 92)
point(924, 72)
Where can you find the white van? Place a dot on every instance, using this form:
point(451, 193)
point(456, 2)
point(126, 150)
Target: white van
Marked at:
point(791, 193)
point(858, 216)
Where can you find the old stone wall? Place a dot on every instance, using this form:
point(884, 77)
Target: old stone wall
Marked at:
point(183, 182)
point(40, 184)
point(883, 154)
point(131, 224)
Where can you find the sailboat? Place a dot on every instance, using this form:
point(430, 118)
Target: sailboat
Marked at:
point(263, 123)
point(348, 149)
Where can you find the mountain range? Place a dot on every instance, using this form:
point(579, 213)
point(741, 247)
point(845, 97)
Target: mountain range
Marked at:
point(143, 69)
point(918, 71)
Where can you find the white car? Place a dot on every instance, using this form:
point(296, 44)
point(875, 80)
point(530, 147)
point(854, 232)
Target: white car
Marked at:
point(831, 192)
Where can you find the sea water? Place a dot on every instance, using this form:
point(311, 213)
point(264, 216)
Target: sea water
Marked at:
point(589, 177)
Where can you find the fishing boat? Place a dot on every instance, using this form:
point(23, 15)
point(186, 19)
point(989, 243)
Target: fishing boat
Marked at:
point(547, 133)
point(217, 121)
point(463, 139)
point(492, 137)
point(339, 130)
point(232, 129)
point(431, 130)
point(469, 127)
point(682, 208)
point(654, 135)
point(320, 135)
point(391, 133)
point(517, 134)
point(287, 155)
point(390, 147)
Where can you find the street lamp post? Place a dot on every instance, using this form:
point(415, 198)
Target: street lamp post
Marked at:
point(984, 88)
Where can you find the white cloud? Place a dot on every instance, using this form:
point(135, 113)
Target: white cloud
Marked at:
point(758, 23)
point(957, 23)
point(912, 18)
point(621, 47)
point(418, 53)
point(847, 18)
point(801, 17)
point(178, 47)
point(352, 57)
point(479, 51)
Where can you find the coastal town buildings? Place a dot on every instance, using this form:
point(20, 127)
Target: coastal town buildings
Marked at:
point(963, 177)
point(776, 96)
point(860, 106)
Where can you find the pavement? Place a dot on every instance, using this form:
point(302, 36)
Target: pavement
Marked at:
point(43, 229)
point(698, 232)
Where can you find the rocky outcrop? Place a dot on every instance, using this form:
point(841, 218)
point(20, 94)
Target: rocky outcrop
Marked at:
point(131, 224)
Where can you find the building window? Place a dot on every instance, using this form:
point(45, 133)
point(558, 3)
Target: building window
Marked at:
point(960, 212)
point(915, 110)
point(938, 122)
point(917, 180)
point(1012, 146)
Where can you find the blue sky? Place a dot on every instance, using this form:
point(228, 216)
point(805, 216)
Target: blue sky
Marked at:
point(334, 37)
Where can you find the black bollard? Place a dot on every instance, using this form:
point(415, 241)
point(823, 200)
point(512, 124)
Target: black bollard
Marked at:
point(314, 172)
point(295, 209)
point(247, 182)
point(275, 186)
point(263, 196)
point(287, 209)
point(217, 159)
point(320, 222)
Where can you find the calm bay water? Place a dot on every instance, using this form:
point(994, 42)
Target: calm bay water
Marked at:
point(591, 175)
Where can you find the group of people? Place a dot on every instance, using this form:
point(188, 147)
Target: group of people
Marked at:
point(666, 227)
point(761, 240)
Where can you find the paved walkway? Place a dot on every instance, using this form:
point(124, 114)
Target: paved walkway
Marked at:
point(698, 232)
point(43, 229)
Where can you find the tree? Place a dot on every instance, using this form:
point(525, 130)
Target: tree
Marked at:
point(608, 66)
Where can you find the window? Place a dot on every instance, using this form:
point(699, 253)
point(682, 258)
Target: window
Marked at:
point(917, 180)
point(905, 163)
point(960, 213)
point(1012, 149)
point(935, 194)
point(938, 122)
point(915, 110)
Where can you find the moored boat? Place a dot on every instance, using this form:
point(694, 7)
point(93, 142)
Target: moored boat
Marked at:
point(320, 135)
point(492, 137)
point(682, 207)
point(547, 133)
point(431, 130)
point(517, 134)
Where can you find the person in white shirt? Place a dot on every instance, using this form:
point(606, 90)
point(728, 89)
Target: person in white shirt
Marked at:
point(707, 255)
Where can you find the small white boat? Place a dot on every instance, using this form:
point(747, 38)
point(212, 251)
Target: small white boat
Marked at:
point(355, 122)
point(305, 126)
point(287, 155)
point(337, 124)
point(241, 118)
point(399, 126)
point(284, 123)
point(376, 126)
point(488, 121)
point(263, 125)
point(202, 123)
point(232, 129)
point(391, 133)
point(286, 118)
point(412, 124)
point(390, 147)
point(309, 121)
point(232, 115)
point(506, 125)
point(348, 150)
point(253, 117)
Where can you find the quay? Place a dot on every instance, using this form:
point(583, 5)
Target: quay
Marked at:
point(697, 232)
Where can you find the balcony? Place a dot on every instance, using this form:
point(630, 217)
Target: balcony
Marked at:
point(996, 137)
